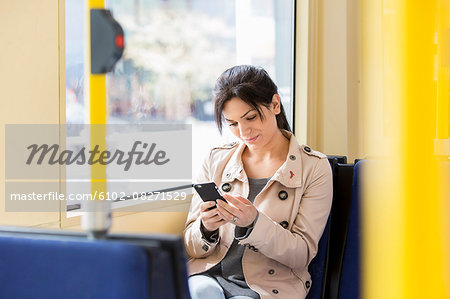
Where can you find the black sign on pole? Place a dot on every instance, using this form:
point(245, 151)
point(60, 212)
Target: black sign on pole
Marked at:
point(107, 41)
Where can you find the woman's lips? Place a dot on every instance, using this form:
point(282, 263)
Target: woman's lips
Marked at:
point(250, 140)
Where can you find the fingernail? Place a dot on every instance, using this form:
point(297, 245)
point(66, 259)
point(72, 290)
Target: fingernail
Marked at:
point(211, 203)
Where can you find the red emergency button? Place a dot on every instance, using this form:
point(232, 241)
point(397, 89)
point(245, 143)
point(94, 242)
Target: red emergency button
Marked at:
point(119, 41)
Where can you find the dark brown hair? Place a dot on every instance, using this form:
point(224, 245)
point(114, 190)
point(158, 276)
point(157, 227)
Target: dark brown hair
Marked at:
point(252, 85)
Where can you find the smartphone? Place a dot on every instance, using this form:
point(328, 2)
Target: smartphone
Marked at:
point(208, 191)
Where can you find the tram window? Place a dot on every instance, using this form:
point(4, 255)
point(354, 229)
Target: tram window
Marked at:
point(175, 50)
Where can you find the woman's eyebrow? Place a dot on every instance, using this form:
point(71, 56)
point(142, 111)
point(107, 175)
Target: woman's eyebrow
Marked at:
point(242, 115)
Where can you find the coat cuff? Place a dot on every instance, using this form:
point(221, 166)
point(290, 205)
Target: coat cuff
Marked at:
point(205, 245)
point(212, 239)
point(243, 232)
point(263, 226)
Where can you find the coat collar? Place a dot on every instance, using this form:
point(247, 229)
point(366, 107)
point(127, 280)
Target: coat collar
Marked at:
point(234, 168)
point(289, 174)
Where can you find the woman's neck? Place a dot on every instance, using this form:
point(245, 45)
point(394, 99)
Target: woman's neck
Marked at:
point(278, 148)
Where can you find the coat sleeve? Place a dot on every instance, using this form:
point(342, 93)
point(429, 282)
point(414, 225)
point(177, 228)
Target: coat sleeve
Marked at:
point(196, 245)
point(296, 248)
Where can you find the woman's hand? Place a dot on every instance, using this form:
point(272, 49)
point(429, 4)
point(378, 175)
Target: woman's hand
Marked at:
point(211, 220)
point(241, 212)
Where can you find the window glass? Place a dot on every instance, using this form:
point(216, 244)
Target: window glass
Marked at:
point(76, 110)
point(174, 52)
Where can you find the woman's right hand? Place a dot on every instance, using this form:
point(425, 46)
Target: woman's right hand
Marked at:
point(210, 218)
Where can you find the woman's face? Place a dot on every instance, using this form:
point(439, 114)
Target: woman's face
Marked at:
point(245, 123)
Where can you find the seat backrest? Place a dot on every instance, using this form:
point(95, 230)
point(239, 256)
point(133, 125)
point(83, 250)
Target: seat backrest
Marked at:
point(169, 273)
point(318, 268)
point(338, 159)
point(67, 268)
point(121, 266)
point(349, 286)
point(339, 217)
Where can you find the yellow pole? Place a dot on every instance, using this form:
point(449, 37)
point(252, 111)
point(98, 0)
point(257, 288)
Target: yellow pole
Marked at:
point(443, 47)
point(405, 94)
point(97, 220)
point(423, 220)
point(97, 109)
point(442, 142)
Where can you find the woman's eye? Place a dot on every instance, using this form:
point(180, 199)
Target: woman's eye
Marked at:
point(232, 124)
point(252, 117)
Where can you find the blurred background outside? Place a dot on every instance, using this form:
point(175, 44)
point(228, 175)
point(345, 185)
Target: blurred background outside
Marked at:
point(174, 52)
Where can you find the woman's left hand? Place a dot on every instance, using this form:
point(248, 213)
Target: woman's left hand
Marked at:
point(241, 212)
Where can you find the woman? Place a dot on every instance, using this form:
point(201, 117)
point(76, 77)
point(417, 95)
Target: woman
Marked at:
point(259, 243)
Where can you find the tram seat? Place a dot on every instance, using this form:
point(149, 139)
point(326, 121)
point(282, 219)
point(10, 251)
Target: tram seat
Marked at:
point(319, 266)
point(37, 268)
point(62, 265)
point(339, 219)
point(350, 275)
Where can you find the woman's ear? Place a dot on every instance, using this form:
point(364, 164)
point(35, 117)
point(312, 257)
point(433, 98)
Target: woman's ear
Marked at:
point(276, 104)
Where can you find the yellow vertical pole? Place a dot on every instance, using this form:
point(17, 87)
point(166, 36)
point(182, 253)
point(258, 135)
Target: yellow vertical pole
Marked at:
point(443, 46)
point(405, 97)
point(97, 109)
point(97, 220)
point(423, 218)
point(442, 142)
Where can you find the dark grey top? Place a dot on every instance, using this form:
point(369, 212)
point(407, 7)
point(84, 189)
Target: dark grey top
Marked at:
point(228, 272)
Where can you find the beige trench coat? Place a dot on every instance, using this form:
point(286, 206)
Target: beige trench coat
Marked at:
point(276, 257)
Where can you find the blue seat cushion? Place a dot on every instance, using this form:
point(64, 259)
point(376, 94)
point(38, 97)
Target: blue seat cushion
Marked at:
point(42, 268)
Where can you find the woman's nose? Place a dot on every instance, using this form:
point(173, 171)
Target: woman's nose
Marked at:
point(244, 129)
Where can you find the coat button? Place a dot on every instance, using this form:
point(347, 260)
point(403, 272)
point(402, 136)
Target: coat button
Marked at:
point(308, 284)
point(292, 157)
point(227, 175)
point(275, 291)
point(284, 224)
point(271, 271)
point(308, 149)
point(226, 187)
point(282, 195)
